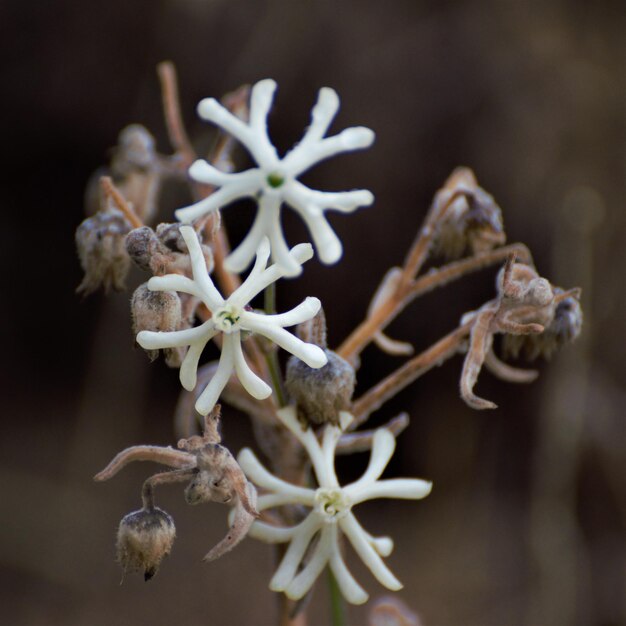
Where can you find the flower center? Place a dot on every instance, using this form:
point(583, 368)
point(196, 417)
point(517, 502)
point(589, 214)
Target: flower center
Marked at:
point(275, 180)
point(226, 319)
point(332, 504)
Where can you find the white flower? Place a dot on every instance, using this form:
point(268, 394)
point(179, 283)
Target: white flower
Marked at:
point(274, 181)
point(330, 512)
point(230, 317)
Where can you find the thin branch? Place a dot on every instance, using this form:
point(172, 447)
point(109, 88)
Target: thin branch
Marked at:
point(111, 191)
point(362, 440)
point(173, 118)
point(157, 454)
point(405, 375)
point(163, 478)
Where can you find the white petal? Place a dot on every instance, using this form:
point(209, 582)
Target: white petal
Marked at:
point(312, 355)
point(240, 257)
point(251, 286)
point(350, 589)
point(383, 445)
point(293, 557)
point(254, 385)
point(174, 282)
point(210, 295)
point(151, 340)
point(255, 471)
point(203, 172)
point(344, 201)
point(189, 368)
point(271, 534)
point(359, 540)
point(212, 111)
point(301, 584)
point(209, 397)
point(306, 310)
point(405, 488)
point(218, 199)
point(382, 545)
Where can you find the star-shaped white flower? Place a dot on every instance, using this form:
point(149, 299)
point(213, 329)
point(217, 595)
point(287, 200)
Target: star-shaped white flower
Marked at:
point(230, 317)
point(274, 181)
point(330, 512)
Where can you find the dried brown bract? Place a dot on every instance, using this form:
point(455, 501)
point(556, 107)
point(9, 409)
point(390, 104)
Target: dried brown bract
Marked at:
point(319, 394)
point(472, 222)
point(144, 538)
point(525, 306)
point(211, 472)
point(101, 250)
point(565, 327)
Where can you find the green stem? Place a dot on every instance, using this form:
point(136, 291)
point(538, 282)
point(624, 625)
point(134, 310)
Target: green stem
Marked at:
point(337, 603)
point(271, 357)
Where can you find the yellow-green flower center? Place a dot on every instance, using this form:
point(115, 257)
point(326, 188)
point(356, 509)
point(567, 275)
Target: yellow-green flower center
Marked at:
point(332, 504)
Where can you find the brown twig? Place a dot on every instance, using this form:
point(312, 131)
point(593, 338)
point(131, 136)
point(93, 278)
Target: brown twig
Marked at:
point(111, 191)
point(362, 440)
point(409, 372)
point(173, 118)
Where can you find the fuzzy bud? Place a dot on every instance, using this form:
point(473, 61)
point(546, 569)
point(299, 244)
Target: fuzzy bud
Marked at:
point(144, 538)
point(158, 311)
point(472, 222)
point(100, 241)
point(320, 394)
point(139, 244)
point(564, 328)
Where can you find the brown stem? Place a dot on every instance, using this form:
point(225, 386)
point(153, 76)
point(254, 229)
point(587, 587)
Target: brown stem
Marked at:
point(111, 191)
point(173, 118)
point(163, 478)
point(407, 292)
point(362, 441)
point(405, 375)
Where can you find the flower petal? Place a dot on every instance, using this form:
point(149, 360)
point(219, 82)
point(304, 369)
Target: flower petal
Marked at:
point(208, 398)
point(301, 584)
point(350, 589)
point(305, 311)
point(255, 471)
point(404, 488)
point(153, 340)
point(252, 383)
point(293, 557)
point(383, 445)
point(359, 540)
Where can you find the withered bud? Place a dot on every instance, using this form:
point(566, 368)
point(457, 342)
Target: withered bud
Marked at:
point(164, 250)
point(136, 149)
point(100, 241)
point(565, 327)
point(158, 311)
point(144, 538)
point(320, 394)
point(139, 245)
point(472, 222)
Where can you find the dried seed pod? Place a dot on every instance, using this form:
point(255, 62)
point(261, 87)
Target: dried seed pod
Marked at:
point(320, 394)
point(140, 243)
point(100, 241)
point(564, 328)
point(473, 221)
point(158, 311)
point(144, 538)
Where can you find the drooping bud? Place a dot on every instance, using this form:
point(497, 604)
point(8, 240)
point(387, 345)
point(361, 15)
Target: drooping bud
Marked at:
point(473, 221)
point(158, 311)
point(319, 394)
point(564, 328)
point(100, 241)
point(139, 245)
point(144, 538)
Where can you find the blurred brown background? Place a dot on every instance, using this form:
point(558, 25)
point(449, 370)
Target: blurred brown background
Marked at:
point(526, 522)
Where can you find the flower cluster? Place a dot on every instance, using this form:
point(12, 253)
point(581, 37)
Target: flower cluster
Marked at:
point(331, 511)
point(230, 318)
point(274, 181)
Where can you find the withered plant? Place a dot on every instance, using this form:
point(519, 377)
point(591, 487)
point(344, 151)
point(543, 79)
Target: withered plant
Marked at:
point(304, 417)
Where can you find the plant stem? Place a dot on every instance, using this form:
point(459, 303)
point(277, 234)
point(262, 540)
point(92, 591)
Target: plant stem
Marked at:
point(271, 357)
point(337, 603)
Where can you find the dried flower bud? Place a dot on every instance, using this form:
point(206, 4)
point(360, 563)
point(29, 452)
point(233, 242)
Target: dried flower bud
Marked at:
point(158, 311)
point(102, 252)
point(144, 537)
point(320, 394)
point(565, 327)
point(135, 150)
point(139, 245)
point(472, 222)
